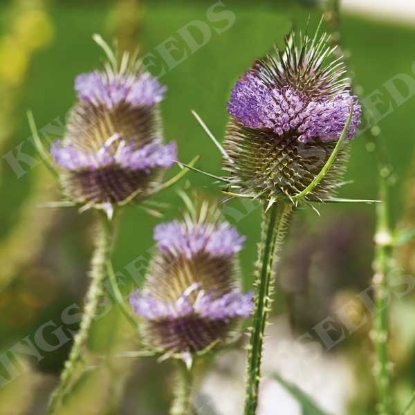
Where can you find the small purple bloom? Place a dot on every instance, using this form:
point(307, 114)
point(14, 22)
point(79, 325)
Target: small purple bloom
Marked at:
point(113, 150)
point(150, 156)
point(191, 298)
point(188, 239)
point(99, 88)
point(231, 305)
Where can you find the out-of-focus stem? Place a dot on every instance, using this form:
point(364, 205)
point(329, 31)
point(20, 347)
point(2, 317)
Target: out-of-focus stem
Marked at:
point(274, 228)
point(127, 15)
point(98, 273)
point(182, 403)
point(382, 266)
point(383, 243)
point(333, 18)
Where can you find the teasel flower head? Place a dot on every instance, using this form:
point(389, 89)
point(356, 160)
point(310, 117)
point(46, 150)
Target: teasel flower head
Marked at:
point(113, 150)
point(287, 113)
point(192, 300)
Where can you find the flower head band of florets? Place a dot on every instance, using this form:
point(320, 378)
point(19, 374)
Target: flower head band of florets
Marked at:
point(113, 149)
point(192, 300)
point(287, 113)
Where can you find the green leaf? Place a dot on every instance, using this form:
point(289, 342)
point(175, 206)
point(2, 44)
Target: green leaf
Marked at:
point(211, 136)
point(308, 405)
point(188, 166)
point(43, 153)
point(179, 175)
point(300, 196)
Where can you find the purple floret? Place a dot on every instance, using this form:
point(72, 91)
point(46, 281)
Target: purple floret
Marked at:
point(148, 307)
point(100, 89)
point(150, 156)
point(231, 305)
point(251, 102)
point(285, 109)
point(187, 240)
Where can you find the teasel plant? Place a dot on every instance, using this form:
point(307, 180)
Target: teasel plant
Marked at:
point(292, 115)
point(191, 303)
point(112, 155)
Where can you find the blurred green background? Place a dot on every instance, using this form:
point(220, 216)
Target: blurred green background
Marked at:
point(44, 252)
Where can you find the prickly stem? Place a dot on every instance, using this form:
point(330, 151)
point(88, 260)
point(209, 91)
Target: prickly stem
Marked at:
point(98, 273)
point(274, 228)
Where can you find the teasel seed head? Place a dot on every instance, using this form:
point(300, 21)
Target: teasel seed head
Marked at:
point(113, 150)
point(287, 113)
point(192, 300)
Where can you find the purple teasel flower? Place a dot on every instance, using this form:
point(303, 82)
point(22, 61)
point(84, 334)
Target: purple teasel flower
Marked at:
point(217, 240)
point(191, 299)
point(286, 109)
point(113, 149)
point(287, 112)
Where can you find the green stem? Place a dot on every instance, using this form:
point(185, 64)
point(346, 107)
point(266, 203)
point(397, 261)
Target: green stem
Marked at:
point(382, 268)
point(383, 249)
point(98, 273)
point(274, 227)
point(182, 403)
point(333, 18)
